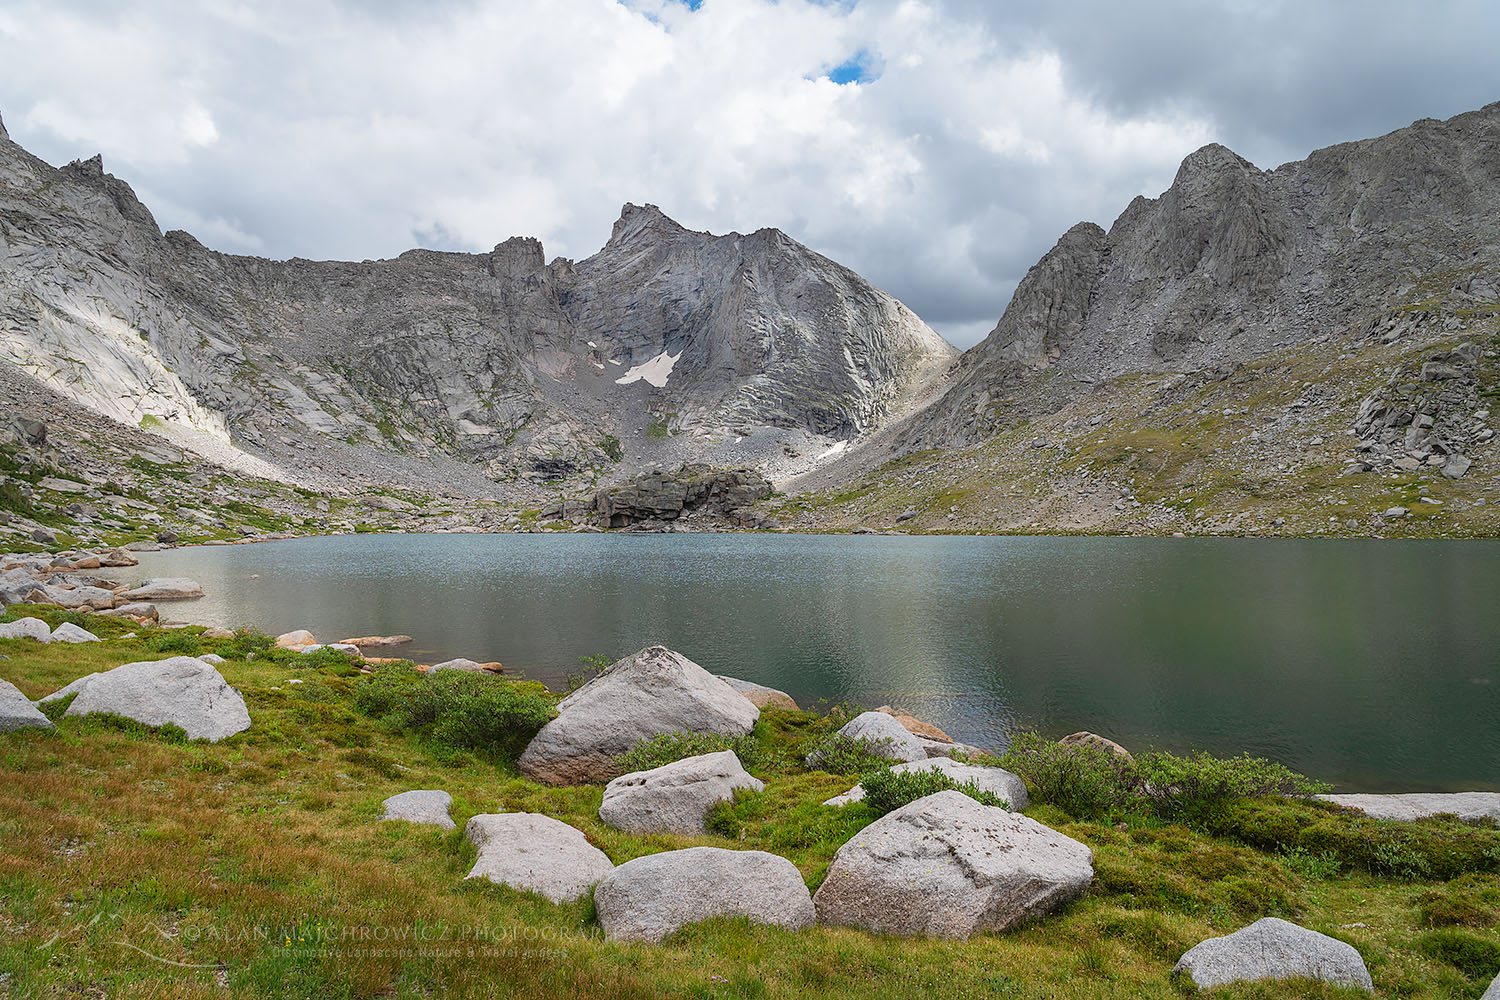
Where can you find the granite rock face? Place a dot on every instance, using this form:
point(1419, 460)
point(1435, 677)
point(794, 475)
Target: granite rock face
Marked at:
point(653, 691)
point(1232, 262)
point(650, 897)
point(1273, 949)
point(947, 866)
point(669, 495)
point(502, 362)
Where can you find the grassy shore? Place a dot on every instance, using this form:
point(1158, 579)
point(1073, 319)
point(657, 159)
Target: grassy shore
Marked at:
point(134, 863)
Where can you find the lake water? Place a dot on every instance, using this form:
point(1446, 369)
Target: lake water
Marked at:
point(1371, 664)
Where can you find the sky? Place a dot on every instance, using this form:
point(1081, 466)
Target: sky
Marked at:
point(937, 147)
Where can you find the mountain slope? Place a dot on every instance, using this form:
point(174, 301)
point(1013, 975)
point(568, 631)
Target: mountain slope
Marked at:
point(667, 345)
point(1234, 355)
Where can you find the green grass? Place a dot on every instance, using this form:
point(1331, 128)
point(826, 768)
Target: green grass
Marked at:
point(258, 863)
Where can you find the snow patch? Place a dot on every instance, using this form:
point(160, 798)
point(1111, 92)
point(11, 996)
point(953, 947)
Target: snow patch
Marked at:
point(656, 371)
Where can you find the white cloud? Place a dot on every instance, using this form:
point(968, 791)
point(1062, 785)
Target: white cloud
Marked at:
point(339, 129)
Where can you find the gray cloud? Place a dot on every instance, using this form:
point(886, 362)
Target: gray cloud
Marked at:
point(981, 132)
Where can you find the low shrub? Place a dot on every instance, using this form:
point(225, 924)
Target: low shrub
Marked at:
point(1467, 901)
point(1085, 782)
point(1438, 848)
point(1187, 788)
point(1475, 956)
point(665, 748)
point(887, 790)
point(175, 642)
point(843, 755)
point(456, 709)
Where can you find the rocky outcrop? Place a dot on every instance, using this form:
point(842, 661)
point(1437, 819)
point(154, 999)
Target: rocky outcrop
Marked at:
point(688, 490)
point(650, 897)
point(428, 806)
point(676, 797)
point(759, 695)
point(1001, 783)
point(165, 589)
point(17, 711)
point(1272, 949)
point(946, 866)
point(1417, 805)
point(1428, 415)
point(26, 628)
point(882, 735)
point(182, 690)
point(535, 853)
point(653, 691)
point(1380, 239)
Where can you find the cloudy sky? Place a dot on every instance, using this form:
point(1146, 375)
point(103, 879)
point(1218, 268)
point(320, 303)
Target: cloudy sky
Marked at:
point(939, 147)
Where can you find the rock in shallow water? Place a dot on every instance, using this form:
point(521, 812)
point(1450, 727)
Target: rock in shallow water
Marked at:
point(174, 588)
point(1273, 949)
point(759, 695)
point(650, 897)
point(535, 853)
point(676, 797)
point(947, 866)
point(653, 691)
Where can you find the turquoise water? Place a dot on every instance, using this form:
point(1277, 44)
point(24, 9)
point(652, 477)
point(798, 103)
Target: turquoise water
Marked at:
point(1372, 664)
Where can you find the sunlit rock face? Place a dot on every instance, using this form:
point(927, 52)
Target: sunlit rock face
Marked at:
point(676, 344)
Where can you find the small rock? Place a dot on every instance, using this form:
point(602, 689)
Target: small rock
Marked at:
point(213, 659)
point(421, 806)
point(535, 853)
point(1273, 949)
point(759, 695)
point(883, 734)
point(298, 639)
point(471, 666)
point(650, 897)
point(1395, 512)
point(1097, 742)
point(377, 641)
point(43, 536)
point(167, 537)
point(676, 797)
point(17, 711)
point(1457, 466)
point(68, 632)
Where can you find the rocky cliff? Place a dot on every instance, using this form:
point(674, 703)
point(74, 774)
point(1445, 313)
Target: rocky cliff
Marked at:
point(1389, 237)
point(667, 345)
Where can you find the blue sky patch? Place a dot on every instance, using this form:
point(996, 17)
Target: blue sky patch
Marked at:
point(858, 68)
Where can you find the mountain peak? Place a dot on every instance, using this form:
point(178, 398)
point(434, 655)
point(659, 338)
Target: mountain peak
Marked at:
point(636, 219)
point(1213, 158)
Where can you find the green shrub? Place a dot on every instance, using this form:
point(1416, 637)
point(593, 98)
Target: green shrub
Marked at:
point(176, 643)
point(1313, 867)
point(456, 709)
point(1437, 848)
point(888, 790)
point(1475, 956)
point(610, 445)
point(1085, 782)
point(843, 755)
point(1467, 901)
point(1187, 788)
point(665, 748)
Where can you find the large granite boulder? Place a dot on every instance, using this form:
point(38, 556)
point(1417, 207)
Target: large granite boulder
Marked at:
point(17, 711)
point(26, 628)
point(653, 691)
point(535, 853)
point(182, 690)
point(80, 597)
point(173, 588)
point(16, 584)
point(467, 665)
point(759, 695)
point(420, 806)
point(990, 779)
point(883, 734)
point(652, 896)
point(1273, 949)
point(676, 797)
point(1417, 805)
point(946, 866)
